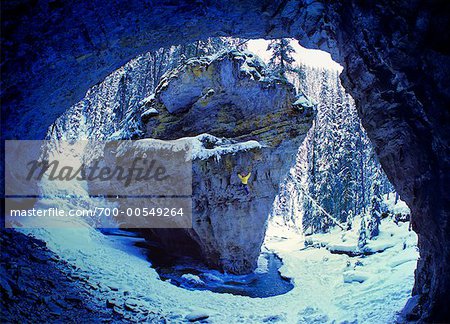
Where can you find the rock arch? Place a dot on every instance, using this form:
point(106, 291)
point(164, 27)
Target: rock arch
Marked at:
point(395, 66)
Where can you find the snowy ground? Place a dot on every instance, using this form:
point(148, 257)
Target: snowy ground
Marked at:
point(337, 287)
point(328, 287)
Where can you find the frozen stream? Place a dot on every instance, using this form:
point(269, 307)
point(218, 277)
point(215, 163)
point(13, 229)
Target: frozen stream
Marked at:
point(192, 274)
point(327, 287)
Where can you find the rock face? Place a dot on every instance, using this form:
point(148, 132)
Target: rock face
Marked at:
point(228, 96)
point(36, 286)
point(392, 63)
point(253, 126)
point(75, 55)
point(395, 58)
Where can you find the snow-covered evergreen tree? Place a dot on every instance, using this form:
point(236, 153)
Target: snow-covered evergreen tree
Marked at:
point(336, 164)
point(281, 61)
point(111, 108)
point(362, 239)
point(375, 208)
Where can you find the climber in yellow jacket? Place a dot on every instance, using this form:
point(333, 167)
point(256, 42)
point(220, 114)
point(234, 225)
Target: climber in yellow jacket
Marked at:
point(244, 181)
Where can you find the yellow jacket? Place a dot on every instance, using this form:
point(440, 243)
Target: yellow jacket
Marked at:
point(244, 180)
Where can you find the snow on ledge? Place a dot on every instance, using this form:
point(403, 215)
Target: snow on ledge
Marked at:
point(149, 113)
point(147, 100)
point(205, 146)
point(304, 101)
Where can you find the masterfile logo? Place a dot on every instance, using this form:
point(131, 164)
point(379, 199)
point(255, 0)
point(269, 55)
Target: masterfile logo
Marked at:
point(139, 184)
point(125, 168)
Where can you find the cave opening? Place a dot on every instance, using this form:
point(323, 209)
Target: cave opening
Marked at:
point(128, 111)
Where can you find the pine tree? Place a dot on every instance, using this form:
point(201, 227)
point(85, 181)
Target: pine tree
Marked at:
point(339, 158)
point(362, 239)
point(349, 220)
point(281, 61)
point(375, 207)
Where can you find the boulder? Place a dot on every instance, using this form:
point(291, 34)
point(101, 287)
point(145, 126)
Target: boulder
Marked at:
point(196, 316)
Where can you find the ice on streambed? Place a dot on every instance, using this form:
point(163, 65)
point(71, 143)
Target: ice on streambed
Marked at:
point(327, 287)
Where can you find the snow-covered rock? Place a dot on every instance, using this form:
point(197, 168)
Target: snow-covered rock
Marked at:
point(395, 207)
point(227, 95)
point(146, 100)
point(192, 279)
point(347, 243)
point(205, 146)
point(303, 102)
point(196, 316)
point(149, 113)
point(355, 276)
point(237, 120)
point(212, 278)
